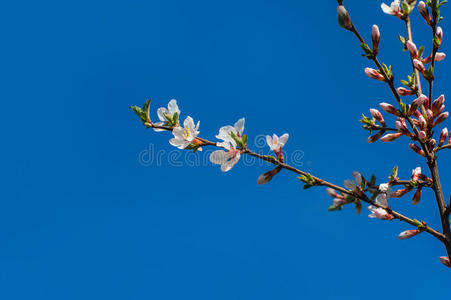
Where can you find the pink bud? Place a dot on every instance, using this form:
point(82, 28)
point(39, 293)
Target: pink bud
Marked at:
point(417, 149)
point(374, 74)
point(378, 116)
point(331, 192)
point(389, 109)
point(431, 144)
point(439, 33)
point(375, 37)
point(417, 103)
point(422, 122)
point(417, 196)
point(442, 117)
point(343, 17)
point(400, 193)
point(419, 66)
point(391, 137)
point(374, 138)
point(416, 173)
point(424, 12)
point(437, 104)
point(405, 92)
point(445, 260)
point(412, 49)
point(443, 136)
point(439, 56)
point(422, 136)
point(408, 234)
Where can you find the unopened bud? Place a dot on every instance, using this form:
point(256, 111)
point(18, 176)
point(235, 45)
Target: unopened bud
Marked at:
point(374, 138)
point(445, 260)
point(374, 74)
point(377, 115)
point(417, 149)
point(375, 38)
point(402, 91)
point(400, 193)
point(442, 117)
point(422, 136)
point(343, 17)
point(419, 66)
point(408, 234)
point(417, 196)
point(439, 56)
point(412, 49)
point(431, 144)
point(389, 109)
point(390, 137)
point(265, 178)
point(424, 12)
point(437, 104)
point(443, 136)
point(439, 33)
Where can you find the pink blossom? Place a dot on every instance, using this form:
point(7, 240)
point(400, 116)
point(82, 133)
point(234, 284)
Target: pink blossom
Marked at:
point(389, 109)
point(402, 91)
point(375, 37)
point(391, 137)
point(442, 117)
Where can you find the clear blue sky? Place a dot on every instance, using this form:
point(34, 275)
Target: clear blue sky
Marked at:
point(81, 218)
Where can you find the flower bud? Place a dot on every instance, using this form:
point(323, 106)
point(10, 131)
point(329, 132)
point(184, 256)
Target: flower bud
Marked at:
point(422, 122)
point(419, 66)
point(374, 138)
point(400, 193)
point(343, 17)
point(375, 38)
point(390, 137)
point(445, 260)
point(437, 104)
point(442, 117)
point(417, 196)
point(378, 116)
point(417, 103)
point(424, 12)
point(422, 136)
point(265, 178)
point(412, 49)
point(443, 136)
point(389, 109)
point(374, 74)
point(431, 144)
point(439, 56)
point(408, 234)
point(333, 193)
point(439, 33)
point(416, 173)
point(417, 149)
point(402, 91)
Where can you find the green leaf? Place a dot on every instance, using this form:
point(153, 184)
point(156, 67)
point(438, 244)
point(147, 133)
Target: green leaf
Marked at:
point(394, 172)
point(244, 139)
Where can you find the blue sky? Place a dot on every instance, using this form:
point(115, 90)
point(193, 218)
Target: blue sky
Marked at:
point(82, 218)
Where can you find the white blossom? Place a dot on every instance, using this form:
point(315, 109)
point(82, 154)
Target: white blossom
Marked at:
point(167, 114)
point(184, 136)
point(276, 143)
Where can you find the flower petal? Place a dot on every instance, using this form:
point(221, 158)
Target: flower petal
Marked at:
point(173, 107)
point(239, 127)
point(218, 157)
point(283, 139)
point(161, 112)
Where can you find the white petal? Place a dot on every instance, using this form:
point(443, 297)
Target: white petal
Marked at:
point(161, 112)
point(386, 9)
point(218, 157)
point(189, 123)
point(275, 139)
point(176, 142)
point(283, 139)
point(239, 126)
point(173, 108)
point(382, 199)
point(350, 184)
point(228, 165)
point(178, 132)
point(197, 127)
point(159, 129)
point(269, 140)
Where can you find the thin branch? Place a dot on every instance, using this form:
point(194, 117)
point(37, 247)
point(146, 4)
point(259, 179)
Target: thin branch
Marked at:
point(320, 182)
point(417, 73)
